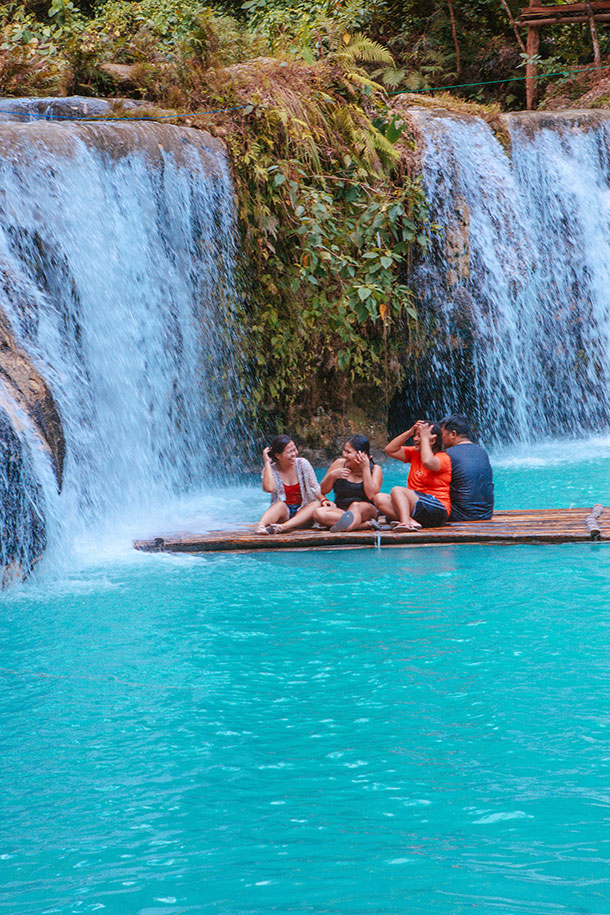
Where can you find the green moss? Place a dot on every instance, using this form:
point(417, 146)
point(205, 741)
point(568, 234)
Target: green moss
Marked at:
point(602, 102)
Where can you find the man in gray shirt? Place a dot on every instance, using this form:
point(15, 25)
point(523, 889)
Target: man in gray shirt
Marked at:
point(472, 488)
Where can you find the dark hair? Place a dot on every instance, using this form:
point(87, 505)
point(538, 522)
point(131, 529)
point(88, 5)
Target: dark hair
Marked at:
point(278, 444)
point(457, 423)
point(360, 443)
point(435, 429)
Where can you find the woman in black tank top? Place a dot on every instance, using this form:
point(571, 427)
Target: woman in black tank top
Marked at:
point(355, 479)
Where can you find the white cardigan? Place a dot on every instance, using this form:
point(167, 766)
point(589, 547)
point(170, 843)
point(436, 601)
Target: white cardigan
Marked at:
point(310, 488)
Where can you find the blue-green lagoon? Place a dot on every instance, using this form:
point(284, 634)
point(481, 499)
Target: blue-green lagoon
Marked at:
point(422, 730)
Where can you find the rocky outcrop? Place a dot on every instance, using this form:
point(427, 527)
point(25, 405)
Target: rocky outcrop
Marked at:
point(25, 400)
point(27, 388)
point(74, 106)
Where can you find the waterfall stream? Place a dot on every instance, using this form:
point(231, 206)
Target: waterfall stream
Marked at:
point(116, 258)
point(515, 296)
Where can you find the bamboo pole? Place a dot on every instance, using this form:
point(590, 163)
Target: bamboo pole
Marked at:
point(592, 522)
point(596, 55)
point(531, 67)
point(566, 20)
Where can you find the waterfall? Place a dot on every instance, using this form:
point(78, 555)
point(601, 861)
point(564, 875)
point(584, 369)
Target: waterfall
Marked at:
point(515, 294)
point(116, 279)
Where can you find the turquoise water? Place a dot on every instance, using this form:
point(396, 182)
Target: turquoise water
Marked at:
point(423, 730)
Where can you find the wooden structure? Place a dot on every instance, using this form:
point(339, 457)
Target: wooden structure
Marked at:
point(535, 17)
point(569, 525)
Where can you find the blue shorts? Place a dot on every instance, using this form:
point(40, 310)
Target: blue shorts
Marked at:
point(292, 510)
point(428, 511)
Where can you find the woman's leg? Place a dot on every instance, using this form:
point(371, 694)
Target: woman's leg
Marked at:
point(363, 512)
point(303, 518)
point(404, 501)
point(327, 516)
point(383, 502)
point(274, 514)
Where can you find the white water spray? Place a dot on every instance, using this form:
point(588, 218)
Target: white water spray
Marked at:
point(516, 295)
point(116, 253)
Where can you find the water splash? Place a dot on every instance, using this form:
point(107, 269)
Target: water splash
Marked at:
point(118, 242)
point(514, 297)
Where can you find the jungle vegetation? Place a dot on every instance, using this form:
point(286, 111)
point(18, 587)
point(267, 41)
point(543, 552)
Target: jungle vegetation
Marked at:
point(331, 208)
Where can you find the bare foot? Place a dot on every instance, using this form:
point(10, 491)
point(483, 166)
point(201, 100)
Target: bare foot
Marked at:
point(260, 530)
point(273, 529)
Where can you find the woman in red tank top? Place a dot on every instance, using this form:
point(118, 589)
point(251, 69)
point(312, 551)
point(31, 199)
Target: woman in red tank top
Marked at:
point(292, 483)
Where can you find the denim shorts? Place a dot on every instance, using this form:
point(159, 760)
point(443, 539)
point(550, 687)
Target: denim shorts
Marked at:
point(428, 511)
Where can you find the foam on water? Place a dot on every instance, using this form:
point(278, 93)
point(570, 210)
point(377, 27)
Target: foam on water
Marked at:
point(554, 453)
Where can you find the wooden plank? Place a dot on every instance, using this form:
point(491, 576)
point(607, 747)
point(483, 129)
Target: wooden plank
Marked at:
point(562, 20)
point(567, 8)
point(520, 526)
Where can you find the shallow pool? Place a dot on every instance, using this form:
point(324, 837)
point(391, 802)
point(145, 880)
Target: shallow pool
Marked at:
point(421, 730)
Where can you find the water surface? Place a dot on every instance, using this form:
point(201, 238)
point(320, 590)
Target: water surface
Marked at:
point(358, 731)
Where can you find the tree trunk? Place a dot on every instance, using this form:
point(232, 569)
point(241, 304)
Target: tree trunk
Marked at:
point(458, 65)
point(514, 25)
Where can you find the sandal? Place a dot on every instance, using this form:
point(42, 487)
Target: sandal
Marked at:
point(344, 522)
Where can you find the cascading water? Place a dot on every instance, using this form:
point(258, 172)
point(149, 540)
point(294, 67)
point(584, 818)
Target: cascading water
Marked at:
point(116, 259)
point(515, 296)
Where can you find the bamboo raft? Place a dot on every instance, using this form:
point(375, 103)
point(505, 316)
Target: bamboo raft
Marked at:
point(568, 525)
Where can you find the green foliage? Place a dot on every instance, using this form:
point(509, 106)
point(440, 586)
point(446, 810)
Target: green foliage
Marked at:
point(311, 29)
point(330, 223)
point(171, 30)
point(30, 58)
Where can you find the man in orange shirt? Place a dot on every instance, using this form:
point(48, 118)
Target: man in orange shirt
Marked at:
point(425, 502)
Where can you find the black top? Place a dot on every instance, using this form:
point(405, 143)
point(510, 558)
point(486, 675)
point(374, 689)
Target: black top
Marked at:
point(347, 492)
point(472, 488)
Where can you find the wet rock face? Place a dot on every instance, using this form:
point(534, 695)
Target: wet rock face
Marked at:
point(26, 386)
point(457, 244)
point(75, 106)
point(25, 399)
point(23, 536)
